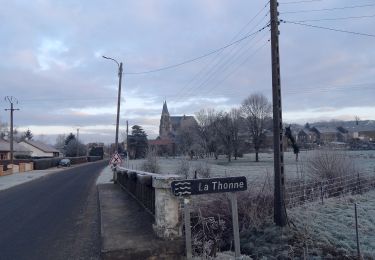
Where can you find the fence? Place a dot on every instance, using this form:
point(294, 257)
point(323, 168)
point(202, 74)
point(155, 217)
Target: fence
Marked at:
point(139, 185)
point(300, 192)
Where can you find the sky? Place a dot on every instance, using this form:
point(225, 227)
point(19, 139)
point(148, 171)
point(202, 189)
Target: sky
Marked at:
point(51, 61)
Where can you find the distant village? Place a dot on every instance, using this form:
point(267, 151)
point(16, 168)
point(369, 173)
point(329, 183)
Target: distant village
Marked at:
point(184, 134)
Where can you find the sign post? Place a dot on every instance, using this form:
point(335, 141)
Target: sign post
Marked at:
point(189, 254)
point(236, 233)
point(115, 159)
point(206, 186)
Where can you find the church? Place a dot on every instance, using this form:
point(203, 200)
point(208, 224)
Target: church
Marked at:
point(167, 141)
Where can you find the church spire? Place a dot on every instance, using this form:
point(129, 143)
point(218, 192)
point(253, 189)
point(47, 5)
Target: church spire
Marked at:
point(165, 108)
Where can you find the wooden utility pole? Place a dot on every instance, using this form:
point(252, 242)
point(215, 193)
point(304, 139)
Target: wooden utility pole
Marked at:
point(77, 142)
point(279, 179)
point(11, 100)
point(127, 143)
point(118, 104)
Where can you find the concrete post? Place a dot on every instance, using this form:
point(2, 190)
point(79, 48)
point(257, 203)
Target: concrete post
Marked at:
point(167, 208)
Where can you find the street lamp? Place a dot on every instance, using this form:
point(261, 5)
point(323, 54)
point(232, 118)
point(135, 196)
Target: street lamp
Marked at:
point(118, 97)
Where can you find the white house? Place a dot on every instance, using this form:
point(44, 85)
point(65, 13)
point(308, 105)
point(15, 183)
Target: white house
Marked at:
point(17, 149)
point(39, 149)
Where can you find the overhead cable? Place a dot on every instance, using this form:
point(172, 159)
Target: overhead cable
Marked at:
point(199, 57)
point(208, 68)
point(328, 28)
point(333, 19)
point(300, 2)
point(327, 9)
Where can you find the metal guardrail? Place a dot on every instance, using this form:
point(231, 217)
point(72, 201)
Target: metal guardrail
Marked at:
point(139, 185)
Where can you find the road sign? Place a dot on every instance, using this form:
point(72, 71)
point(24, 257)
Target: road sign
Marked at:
point(115, 159)
point(212, 185)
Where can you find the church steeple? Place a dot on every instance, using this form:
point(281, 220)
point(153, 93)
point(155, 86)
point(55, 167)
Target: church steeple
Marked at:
point(165, 122)
point(165, 109)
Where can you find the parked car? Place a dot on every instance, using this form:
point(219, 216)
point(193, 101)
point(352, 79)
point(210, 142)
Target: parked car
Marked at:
point(65, 162)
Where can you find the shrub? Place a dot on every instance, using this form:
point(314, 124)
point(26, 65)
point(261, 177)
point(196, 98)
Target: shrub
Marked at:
point(202, 170)
point(42, 164)
point(151, 164)
point(183, 168)
point(22, 156)
point(212, 221)
point(325, 165)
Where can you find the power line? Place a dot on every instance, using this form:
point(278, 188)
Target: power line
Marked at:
point(333, 19)
point(238, 66)
point(300, 2)
point(327, 9)
point(217, 67)
point(196, 58)
point(65, 99)
point(328, 28)
point(218, 62)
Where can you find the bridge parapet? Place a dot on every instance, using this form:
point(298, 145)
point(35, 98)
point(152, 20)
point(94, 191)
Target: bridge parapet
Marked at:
point(153, 192)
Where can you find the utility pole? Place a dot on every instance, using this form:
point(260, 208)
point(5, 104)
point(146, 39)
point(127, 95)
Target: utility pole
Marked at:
point(11, 100)
point(77, 142)
point(118, 98)
point(127, 143)
point(279, 178)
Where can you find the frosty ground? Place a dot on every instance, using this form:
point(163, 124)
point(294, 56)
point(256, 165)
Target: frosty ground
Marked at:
point(255, 171)
point(317, 231)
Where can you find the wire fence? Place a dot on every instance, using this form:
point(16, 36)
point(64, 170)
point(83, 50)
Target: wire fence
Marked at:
point(300, 192)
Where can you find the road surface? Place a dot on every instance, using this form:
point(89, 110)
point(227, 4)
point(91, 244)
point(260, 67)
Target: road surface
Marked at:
point(55, 217)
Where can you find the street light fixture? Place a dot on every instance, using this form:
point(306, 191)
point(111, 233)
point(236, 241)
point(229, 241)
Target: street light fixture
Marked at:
point(118, 98)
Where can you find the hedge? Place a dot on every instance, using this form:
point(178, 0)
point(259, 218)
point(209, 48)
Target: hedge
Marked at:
point(45, 163)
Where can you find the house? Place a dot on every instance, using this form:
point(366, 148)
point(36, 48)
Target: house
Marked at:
point(18, 150)
point(328, 134)
point(306, 136)
point(162, 146)
point(364, 130)
point(39, 149)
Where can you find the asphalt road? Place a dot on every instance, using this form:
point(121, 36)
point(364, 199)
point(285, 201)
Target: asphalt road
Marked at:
point(54, 217)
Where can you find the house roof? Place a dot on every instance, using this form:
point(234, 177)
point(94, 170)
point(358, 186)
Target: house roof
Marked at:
point(361, 127)
point(5, 146)
point(41, 146)
point(175, 120)
point(306, 131)
point(160, 142)
point(326, 130)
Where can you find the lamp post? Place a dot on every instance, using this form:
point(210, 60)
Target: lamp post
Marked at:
point(118, 98)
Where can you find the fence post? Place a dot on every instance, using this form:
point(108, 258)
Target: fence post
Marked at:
point(321, 192)
point(359, 184)
point(356, 230)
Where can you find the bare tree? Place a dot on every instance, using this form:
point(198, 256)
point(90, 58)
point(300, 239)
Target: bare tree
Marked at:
point(235, 120)
point(256, 110)
point(207, 130)
point(357, 120)
point(60, 143)
point(189, 139)
point(223, 125)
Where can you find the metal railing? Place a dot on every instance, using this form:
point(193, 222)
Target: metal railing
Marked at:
point(139, 186)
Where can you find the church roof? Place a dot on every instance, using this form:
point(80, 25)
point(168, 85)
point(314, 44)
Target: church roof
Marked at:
point(175, 120)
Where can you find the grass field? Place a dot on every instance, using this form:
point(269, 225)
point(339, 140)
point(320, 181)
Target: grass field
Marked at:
point(255, 171)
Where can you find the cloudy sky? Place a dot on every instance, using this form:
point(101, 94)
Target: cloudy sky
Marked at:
point(51, 61)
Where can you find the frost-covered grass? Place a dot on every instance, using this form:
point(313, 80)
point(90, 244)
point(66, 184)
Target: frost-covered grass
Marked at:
point(320, 232)
point(333, 223)
point(255, 171)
